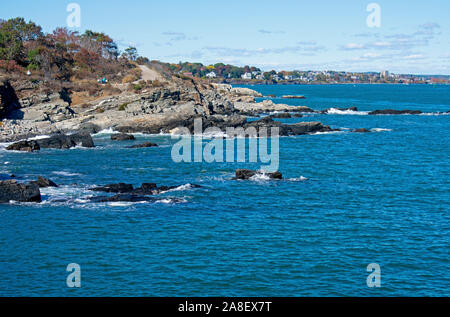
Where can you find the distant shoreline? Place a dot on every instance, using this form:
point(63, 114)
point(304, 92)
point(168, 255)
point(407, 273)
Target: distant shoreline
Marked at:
point(247, 83)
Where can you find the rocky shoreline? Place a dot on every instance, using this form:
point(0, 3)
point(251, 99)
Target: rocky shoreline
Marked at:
point(154, 110)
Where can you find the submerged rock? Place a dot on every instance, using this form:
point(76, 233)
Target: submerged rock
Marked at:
point(361, 130)
point(145, 189)
point(114, 188)
point(122, 137)
point(294, 97)
point(390, 111)
point(245, 174)
point(143, 145)
point(132, 198)
point(24, 146)
point(45, 182)
point(122, 198)
point(11, 190)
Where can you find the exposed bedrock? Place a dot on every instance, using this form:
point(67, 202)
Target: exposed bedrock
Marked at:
point(11, 190)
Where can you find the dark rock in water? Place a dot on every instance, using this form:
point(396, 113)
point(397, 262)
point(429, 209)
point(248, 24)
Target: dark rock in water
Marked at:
point(122, 137)
point(143, 145)
point(294, 97)
point(62, 141)
point(247, 174)
point(21, 192)
point(114, 188)
point(45, 182)
point(390, 111)
point(122, 198)
point(288, 129)
point(297, 115)
point(145, 189)
point(24, 146)
point(361, 130)
point(283, 115)
point(304, 128)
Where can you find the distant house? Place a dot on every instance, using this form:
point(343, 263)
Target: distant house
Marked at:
point(211, 75)
point(277, 77)
point(247, 76)
point(260, 77)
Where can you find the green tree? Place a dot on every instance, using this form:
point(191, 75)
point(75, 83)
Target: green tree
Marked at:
point(130, 53)
point(14, 35)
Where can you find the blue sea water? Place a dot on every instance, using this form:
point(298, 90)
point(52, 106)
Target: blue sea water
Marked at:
point(380, 197)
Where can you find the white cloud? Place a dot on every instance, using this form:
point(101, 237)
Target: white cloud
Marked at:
point(414, 56)
point(353, 46)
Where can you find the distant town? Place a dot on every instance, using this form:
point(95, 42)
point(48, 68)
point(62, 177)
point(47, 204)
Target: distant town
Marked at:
point(234, 74)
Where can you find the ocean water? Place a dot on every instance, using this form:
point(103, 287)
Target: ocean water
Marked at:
point(347, 200)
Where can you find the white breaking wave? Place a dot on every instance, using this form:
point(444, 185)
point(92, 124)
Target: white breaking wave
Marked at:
point(346, 112)
point(379, 129)
point(67, 174)
point(105, 131)
point(171, 201)
point(328, 132)
point(39, 137)
point(260, 177)
point(124, 203)
point(298, 179)
point(179, 188)
point(434, 114)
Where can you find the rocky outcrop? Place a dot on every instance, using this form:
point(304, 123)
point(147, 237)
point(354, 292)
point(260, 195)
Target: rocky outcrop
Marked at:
point(62, 141)
point(245, 174)
point(390, 111)
point(143, 145)
point(268, 106)
point(122, 137)
point(153, 110)
point(24, 146)
point(11, 190)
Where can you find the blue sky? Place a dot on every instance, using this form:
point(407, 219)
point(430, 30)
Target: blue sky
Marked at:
point(285, 34)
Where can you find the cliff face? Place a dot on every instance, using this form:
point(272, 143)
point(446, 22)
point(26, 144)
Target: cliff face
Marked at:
point(8, 99)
